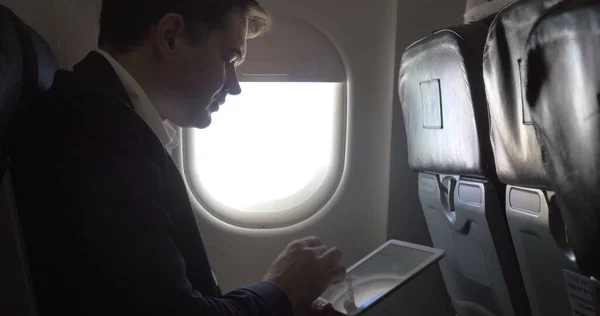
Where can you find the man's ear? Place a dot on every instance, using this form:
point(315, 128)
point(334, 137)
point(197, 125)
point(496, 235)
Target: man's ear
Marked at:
point(169, 33)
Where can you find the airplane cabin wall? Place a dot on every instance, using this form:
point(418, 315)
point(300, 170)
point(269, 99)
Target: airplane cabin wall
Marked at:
point(355, 219)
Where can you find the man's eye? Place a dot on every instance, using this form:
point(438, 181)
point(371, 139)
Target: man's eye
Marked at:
point(230, 61)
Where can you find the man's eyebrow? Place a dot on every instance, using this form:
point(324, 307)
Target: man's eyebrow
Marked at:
point(239, 57)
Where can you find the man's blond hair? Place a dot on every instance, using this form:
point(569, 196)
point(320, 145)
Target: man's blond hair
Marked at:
point(126, 24)
point(259, 21)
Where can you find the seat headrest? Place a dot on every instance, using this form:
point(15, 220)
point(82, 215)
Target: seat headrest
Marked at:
point(478, 10)
point(27, 68)
point(516, 149)
point(563, 91)
point(443, 102)
point(11, 71)
point(39, 60)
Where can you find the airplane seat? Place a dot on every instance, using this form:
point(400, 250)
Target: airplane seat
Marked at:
point(563, 93)
point(446, 118)
point(27, 68)
point(535, 221)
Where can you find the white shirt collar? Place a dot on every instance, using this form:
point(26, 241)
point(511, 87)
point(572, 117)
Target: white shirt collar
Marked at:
point(163, 130)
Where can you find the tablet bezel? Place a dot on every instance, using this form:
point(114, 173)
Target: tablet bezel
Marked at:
point(437, 254)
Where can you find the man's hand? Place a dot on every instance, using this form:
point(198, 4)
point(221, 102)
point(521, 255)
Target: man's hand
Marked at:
point(304, 270)
point(319, 308)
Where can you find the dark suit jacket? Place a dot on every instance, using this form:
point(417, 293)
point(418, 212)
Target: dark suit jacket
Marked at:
point(106, 218)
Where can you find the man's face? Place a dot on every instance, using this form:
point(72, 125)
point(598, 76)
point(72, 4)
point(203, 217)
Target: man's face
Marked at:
point(200, 76)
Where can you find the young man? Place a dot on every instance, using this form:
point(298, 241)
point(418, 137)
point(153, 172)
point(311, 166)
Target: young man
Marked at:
point(106, 218)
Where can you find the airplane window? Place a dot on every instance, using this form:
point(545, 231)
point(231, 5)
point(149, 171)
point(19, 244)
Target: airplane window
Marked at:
point(272, 156)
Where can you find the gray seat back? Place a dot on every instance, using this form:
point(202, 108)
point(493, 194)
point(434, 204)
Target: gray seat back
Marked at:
point(26, 68)
point(563, 92)
point(535, 221)
point(445, 113)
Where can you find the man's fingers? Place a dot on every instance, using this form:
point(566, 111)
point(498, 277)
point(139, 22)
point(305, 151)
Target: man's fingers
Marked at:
point(321, 250)
point(337, 274)
point(321, 307)
point(332, 257)
point(311, 241)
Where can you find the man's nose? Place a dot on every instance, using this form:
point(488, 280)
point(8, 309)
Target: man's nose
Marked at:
point(233, 84)
point(236, 89)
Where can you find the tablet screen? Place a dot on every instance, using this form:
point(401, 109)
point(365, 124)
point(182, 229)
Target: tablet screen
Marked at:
point(373, 278)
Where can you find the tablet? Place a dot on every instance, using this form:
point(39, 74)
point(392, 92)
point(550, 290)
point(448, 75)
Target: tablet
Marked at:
point(379, 274)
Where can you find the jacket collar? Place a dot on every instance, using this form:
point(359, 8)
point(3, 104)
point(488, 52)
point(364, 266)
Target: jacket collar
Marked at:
point(96, 66)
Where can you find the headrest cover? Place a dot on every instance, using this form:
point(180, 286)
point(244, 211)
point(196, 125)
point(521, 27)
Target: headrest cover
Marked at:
point(443, 101)
point(563, 90)
point(11, 75)
point(516, 149)
point(41, 58)
point(479, 9)
point(27, 68)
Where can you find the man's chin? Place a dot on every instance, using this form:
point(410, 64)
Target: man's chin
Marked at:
point(203, 121)
point(200, 120)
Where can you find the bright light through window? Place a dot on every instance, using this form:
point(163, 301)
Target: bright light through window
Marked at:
point(272, 148)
